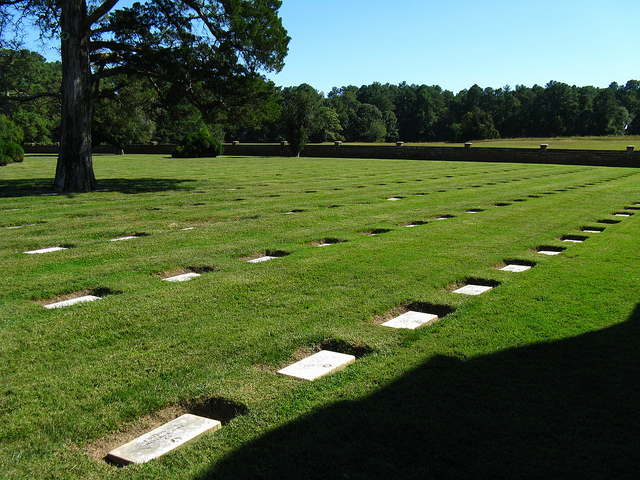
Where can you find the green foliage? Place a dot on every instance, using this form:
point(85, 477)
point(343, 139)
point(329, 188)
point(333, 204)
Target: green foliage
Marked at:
point(301, 115)
point(30, 86)
point(11, 137)
point(477, 125)
point(10, 152)
point(198, 144)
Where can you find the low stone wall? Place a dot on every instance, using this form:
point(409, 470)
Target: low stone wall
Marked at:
point(467, 153)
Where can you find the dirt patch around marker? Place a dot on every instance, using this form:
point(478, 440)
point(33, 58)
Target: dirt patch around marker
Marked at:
point(417, 223)
point(595, 229)
point(576, 238)
point(440, 310)
point(549, 248)
point(472, 281)
point(377, 231)
point(328, 240)
point(181, 271)
point(338, 345)
point(216, 408)
point(514, 261)
point(96, 292)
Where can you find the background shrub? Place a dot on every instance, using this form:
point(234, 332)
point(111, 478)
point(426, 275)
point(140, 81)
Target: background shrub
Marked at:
point(10, 152)
point(199, 144)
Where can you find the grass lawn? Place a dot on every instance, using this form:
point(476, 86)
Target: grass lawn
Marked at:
point(537, 378)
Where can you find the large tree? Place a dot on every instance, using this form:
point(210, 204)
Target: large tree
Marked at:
point(211, 52)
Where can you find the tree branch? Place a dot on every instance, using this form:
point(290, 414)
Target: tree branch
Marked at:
point(101, 11)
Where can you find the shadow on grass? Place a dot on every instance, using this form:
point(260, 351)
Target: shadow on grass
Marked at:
point(563, 409)
point(39, 186)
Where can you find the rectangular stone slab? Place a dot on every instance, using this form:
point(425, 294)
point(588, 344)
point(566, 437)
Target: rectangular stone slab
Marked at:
point(122, 238)
point(163, 439)
point(548, 252)
point(318, 365)
point(473, 289)
point(572, 240)
point(516, 268)
point(592, 231)
point(411, 320)
point(45, 250)
point(73, 301)
point(266, 258)
point(182, 278)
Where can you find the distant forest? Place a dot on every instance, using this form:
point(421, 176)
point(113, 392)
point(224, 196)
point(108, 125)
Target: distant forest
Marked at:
point(129, 111)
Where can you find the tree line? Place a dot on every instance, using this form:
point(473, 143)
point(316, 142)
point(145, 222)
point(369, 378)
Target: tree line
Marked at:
point(132, 110)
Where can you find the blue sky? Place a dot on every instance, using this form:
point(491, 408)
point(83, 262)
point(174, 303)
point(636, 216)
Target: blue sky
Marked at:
point(458, 43)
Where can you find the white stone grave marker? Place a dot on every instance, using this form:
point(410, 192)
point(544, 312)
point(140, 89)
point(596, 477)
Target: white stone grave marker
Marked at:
point(622, 214)
point(573, 240)
point(411, 320)
point(318, 365)
point(394, 199)
point(182, 278)
point(73, 301)
point(188, 228)
point(266, 258)
point(516, 268)
point(473, 289)
point(163, 439)
point(549, 252)
point(45, 250)
point(119, 239)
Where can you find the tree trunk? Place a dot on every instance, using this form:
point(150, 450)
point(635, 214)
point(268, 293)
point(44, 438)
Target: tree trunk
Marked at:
point(74, 172)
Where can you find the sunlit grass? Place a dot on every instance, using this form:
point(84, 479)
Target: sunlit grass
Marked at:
point(73, 378)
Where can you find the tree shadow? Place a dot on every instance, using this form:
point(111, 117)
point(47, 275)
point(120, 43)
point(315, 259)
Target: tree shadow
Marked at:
point(563, 409)
point(44, 186)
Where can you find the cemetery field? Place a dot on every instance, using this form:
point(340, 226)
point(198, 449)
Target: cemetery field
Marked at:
point(536, 377)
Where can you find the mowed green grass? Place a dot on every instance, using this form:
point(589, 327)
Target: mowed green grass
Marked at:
point(536, 378)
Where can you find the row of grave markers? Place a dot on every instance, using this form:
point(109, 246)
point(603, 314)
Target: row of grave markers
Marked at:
point(187, 427)
point(320, 364)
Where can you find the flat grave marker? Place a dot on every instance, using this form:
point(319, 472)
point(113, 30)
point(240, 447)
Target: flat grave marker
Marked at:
point(72, 301)
point(516, 268)
point(622, 214)
point(45, 250)
point(411, 320)
point(473, 289)
point(119, 239)
point(266, 258)
point(163, 439)
point(182, 278)
point(394, 199)
point(318, 365)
